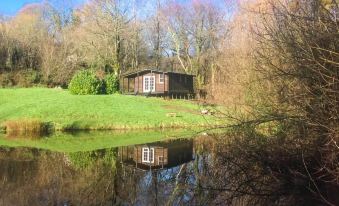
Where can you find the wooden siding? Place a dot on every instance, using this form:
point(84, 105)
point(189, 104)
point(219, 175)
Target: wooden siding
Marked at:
point(134, 153)
point(158, 152)
point(159, 87)
point(174, 152)
point(174, 83)
point(180, 83)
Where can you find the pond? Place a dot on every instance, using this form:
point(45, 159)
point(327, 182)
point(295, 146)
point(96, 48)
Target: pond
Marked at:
point(163, 169)
point(139, 174)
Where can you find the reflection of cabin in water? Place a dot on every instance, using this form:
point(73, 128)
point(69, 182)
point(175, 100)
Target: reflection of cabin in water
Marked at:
point(157, 82)
point(157, 155)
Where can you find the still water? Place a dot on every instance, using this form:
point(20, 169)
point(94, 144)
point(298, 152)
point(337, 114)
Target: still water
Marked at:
point(142, 174)
point(202, 170)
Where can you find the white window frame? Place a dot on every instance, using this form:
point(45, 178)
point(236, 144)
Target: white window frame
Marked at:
point(147, 155)
point(163, 160)
point(148, 89)
point(161, 80)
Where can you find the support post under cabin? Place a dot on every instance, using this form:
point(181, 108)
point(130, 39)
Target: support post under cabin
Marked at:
point(123, 82)
point(128, 85)
point(138, 81)
point(136, 162)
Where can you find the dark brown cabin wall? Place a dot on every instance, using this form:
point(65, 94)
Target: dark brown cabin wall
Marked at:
point(126, 153)
point(141, 84)
point(138, 84)
point(159, 87)
point(174, 83)
point(131, 83)
point(158, 152)
point(178, 84)
point(180, 152)
point(190, 83)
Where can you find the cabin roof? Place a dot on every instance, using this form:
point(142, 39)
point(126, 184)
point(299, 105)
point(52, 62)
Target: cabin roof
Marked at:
point(155, 71)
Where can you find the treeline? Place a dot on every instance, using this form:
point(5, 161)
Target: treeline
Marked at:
point(47, 43)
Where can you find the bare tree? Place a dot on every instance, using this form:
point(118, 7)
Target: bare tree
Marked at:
point(196, 31)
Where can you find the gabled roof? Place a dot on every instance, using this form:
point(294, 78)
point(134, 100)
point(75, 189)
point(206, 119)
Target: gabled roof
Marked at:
point(153, 70)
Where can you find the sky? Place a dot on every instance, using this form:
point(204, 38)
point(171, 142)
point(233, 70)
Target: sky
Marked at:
point(11, 7)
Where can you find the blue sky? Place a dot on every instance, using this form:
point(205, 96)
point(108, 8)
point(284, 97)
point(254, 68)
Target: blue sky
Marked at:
point(11, 7)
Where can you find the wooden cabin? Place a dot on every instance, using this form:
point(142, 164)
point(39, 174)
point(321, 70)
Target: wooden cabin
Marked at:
point(157, 83)
point(159, 155)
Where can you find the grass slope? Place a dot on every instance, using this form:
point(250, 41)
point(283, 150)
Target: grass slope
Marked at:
point(89, 141)
point(66, 111)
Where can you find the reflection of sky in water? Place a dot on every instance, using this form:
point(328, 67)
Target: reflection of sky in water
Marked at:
point(168, 174)
point(147, 179)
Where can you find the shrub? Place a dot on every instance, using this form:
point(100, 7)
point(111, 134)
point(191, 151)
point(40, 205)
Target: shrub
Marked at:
point(27, 78)
point(6, 80)
point(85, 82)
point(84, 160)
point(111, 83)
point(22, 78)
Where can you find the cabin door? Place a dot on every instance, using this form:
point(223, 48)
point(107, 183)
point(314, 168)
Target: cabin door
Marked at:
point(149, 84)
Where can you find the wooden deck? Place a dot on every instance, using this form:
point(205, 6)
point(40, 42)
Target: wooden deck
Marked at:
point(162, 94)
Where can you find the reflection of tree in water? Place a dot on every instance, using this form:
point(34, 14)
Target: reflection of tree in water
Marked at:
point(136, 187)
point(235, 169)
point(253, 170)
point(33, 177)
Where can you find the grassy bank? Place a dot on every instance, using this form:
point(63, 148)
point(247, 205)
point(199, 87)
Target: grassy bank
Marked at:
point(89, 141)
point(63, 111)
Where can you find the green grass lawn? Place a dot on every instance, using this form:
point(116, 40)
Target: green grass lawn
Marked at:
point(89, 141)
point(66, 111)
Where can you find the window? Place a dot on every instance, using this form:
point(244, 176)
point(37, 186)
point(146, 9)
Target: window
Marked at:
point(147, 155)
point(151, 155)
point(146, 84)
point(161, 78)
point(149, 83)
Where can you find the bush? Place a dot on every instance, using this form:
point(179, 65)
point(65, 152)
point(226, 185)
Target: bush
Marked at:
point(6, 80)
point(27, 78)
point(111, 83)
point(85, 82)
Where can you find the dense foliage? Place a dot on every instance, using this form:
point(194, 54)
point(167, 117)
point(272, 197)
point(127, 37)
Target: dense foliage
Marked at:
point(24, 78)
point(85, 82)
point(57, 40)
point(83, 160)
point(111, 84)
